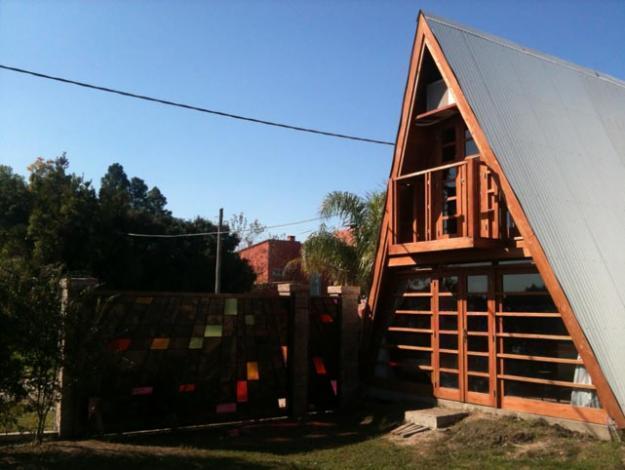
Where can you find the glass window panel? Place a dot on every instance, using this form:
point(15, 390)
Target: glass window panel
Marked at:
point(448, 380)
point(478, 363)
point(477, 323)
point(539, 303)
point(448, 284)
point(406, 356)
point(447, 304)
point(477, 303)
point(415, 303)
point(410, 339)
point(413, 321)
point(414, 284)
point(448, 341)
point(478, 384)
point(448, 322)
point(448, 361)
point(546, 326)
point(448, 135)
point(449, 190)
point(540, 370)
point(450, 226)
point(470, 148)
point(448, 154)
point(449, 208)
point(477, 283)
point(540, 347)
point(544, 392)
point(528, 282)
point(477, 343)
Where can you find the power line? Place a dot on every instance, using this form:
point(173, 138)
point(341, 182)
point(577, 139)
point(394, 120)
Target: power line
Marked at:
point(204, 234)
point(197, 108)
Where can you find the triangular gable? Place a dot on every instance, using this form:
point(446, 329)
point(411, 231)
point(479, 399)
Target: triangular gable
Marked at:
point(567, 240)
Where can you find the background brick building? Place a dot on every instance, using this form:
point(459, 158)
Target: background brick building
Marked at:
point(268, 258)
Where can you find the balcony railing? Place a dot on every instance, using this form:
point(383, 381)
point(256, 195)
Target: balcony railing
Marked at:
point(460, 200)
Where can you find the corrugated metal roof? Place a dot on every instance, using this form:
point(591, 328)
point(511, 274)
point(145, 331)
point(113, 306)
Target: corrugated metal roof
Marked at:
point(558, 131)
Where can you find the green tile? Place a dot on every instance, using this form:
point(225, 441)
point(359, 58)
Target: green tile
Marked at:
point(249, 320)
point(230, 307)
point(196, 343)
point(213, 331)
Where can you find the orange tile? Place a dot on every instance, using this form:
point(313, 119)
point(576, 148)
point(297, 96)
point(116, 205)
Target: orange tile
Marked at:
point(160, 343)
point(252, 371)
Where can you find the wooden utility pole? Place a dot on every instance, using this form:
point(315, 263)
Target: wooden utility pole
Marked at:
point(218, 255)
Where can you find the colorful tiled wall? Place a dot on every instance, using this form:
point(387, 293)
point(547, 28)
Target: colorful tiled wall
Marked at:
point(181, 359)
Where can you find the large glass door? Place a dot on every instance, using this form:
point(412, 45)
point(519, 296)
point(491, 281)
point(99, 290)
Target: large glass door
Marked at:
point(447, 338)
point(464, 337)
point(479, 339)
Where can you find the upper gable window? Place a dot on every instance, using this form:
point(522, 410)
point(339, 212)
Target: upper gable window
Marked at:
point(469, 144)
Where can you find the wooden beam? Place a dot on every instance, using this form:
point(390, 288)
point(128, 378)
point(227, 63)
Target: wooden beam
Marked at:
point(604, 391)
point(556, 410)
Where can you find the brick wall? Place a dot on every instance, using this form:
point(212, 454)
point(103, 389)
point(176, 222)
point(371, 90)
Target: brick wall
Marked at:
point(268, 258)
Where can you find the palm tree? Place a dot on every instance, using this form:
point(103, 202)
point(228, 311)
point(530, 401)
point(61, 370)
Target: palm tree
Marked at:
point(346, 259)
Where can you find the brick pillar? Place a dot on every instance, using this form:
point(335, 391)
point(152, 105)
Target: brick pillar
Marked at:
point(68, 413)
point(349, 343)
point(298, 348)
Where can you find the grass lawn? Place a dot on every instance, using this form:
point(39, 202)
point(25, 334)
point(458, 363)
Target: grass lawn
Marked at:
point(357, 441)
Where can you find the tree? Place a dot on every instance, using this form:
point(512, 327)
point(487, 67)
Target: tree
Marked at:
point(63, 217)
point(15, 207)
point(30, 297)
point(115, 187)
point(247, 231)
point(340, 258)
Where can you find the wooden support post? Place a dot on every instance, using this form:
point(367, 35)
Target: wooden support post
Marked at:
point(68, 420)
point(299, 328)
point(349, 351)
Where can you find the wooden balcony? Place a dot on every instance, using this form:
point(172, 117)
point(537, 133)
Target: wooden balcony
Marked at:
point(455, 206)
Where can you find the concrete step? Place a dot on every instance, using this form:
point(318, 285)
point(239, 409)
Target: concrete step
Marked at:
point(434, 418)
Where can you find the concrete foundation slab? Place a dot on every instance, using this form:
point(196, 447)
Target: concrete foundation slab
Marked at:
point(434, 418)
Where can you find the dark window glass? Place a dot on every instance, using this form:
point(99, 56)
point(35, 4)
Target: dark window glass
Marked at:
point(449, 208)
point(450, 226)
point(449, 284)
point(410, 339)
point(448, 341)
point(448, 322)
point(412, 374)
point(415, 303)
point(414, 284)
point(540, 347)
point(412, 321)
point(448, 361)
point(539, 303)
point(545, 326)
point(477, 283)
point(448, 154)
point(448, 380)
point(539, 370)
point(477, 323)
point(478, 384)
point(477, 343)
point(477, 303)
point(530, 282)
point(448, 135)
point(470, 148)
point(544, 392)
point(478, 363)
point(447, 304)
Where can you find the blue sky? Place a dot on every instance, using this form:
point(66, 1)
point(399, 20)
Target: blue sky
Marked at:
point(334, 65)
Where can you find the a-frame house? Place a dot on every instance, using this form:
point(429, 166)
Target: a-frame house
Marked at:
point(500, 273)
